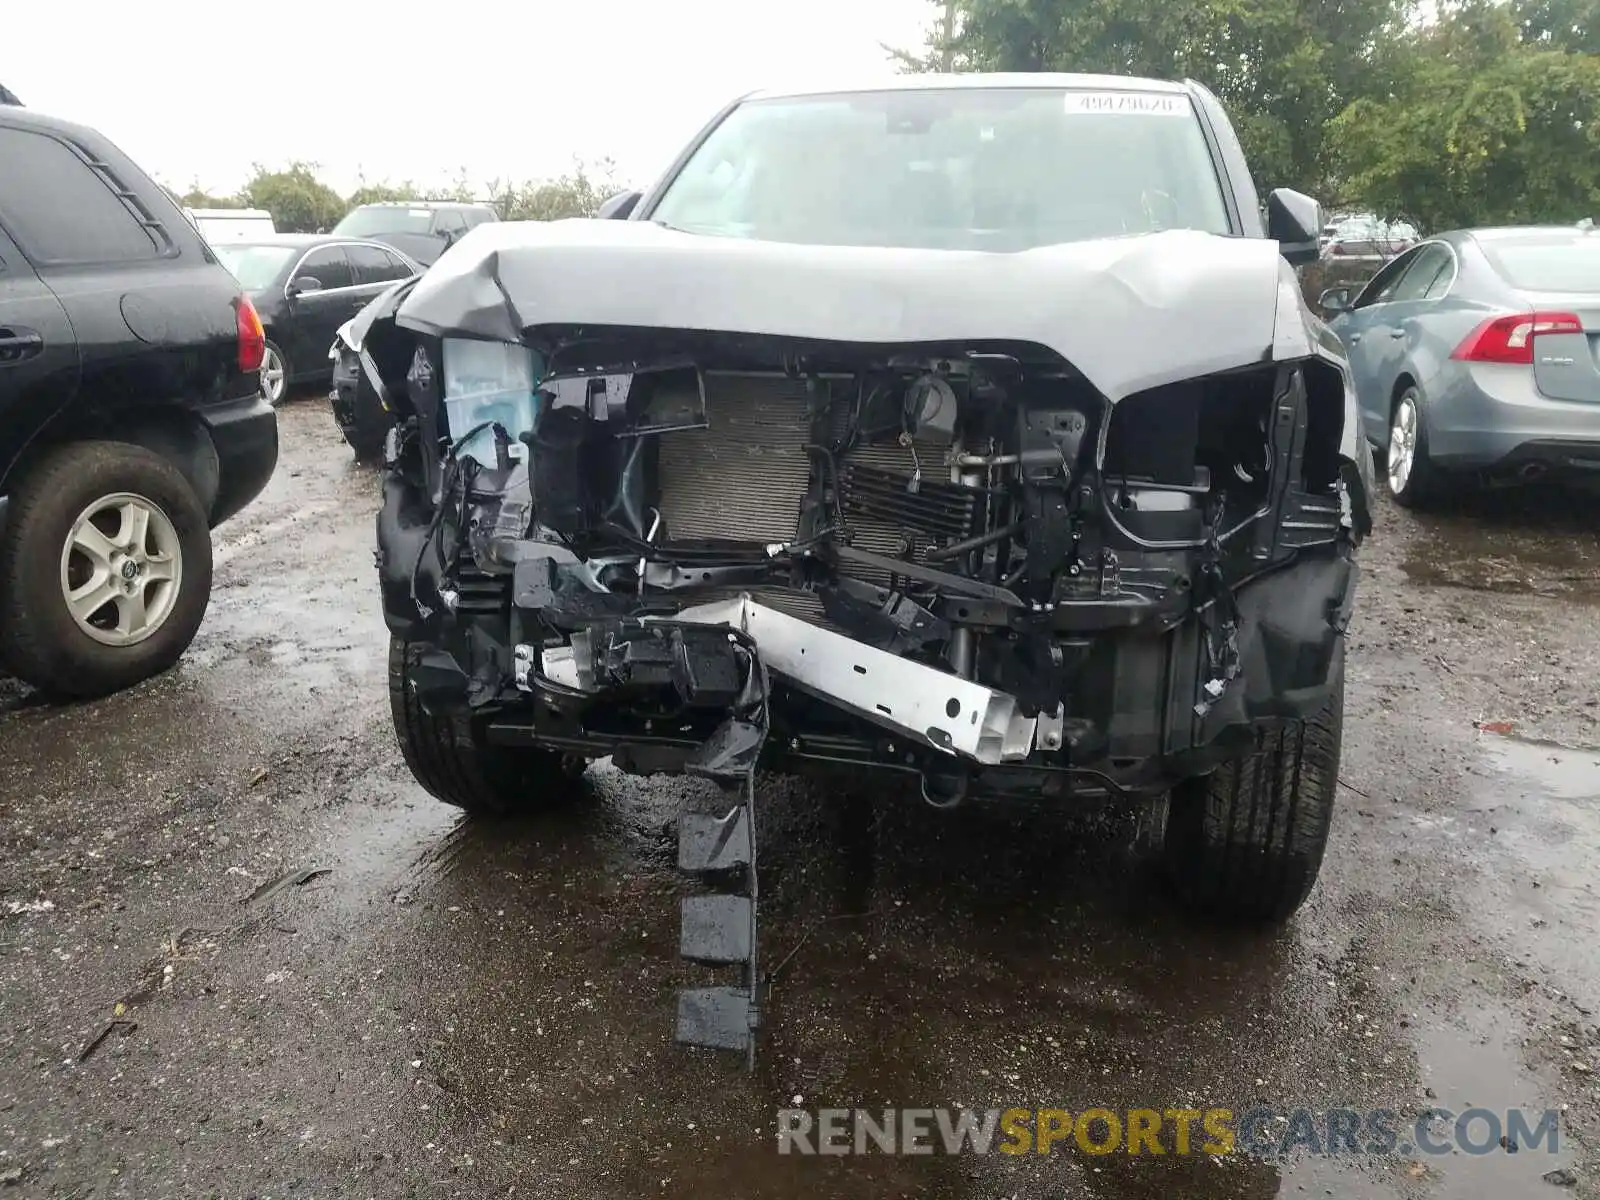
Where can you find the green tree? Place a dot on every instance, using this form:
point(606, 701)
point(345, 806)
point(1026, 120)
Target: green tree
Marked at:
point(1283, 68)
point(298, 201)
point(1490, 123)
point(576, 194)
point(1559, 24)
point(378, 193)
point(197, 197)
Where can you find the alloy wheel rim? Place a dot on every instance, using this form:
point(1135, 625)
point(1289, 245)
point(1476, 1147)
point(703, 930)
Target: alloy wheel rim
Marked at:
point(1402, 443)
point(121, 569)
point(272, 376)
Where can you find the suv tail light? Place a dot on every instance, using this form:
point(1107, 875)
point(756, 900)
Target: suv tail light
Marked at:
point(252, 337)
point(1509, 339)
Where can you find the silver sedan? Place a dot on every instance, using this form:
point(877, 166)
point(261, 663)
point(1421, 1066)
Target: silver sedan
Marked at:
point(1477, 354)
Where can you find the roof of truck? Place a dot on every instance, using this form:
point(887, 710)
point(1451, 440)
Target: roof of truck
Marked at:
point(1029, 79)
point(427, 204)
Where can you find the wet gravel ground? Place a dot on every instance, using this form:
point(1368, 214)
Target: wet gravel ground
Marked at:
point(309, 980)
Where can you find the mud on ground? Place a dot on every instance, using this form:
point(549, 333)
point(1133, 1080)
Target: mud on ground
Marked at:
point(309, 979)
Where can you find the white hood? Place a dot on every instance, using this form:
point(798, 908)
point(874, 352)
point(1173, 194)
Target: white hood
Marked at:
point(1129, 313)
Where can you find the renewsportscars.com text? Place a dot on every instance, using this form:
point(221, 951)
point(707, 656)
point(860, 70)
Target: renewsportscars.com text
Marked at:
point(1259, 1132)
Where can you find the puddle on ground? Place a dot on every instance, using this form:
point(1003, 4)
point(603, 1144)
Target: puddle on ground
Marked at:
point(1505, 576)
point(1468, 1063)
point(926, 961)
point(1537, 813)
point(1562, 773)
point(1537, 544)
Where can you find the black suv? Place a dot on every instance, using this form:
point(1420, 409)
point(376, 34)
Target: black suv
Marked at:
point(131, 415)
point(423, 229)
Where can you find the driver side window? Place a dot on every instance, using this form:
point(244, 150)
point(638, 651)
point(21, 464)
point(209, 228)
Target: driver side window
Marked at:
point(328, 266)
point(1383, 285)
point(1432, 260)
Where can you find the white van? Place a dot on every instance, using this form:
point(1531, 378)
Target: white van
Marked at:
point(219, 225)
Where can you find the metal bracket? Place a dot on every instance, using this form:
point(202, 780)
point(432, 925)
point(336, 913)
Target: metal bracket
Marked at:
point(1050, 728)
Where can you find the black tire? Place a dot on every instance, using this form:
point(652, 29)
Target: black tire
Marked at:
point(1424, 482)
point(451, 759)
point(1246, 842)
point(39, 638)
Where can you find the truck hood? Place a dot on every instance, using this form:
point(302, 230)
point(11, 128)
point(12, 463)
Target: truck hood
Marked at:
point(1130, 313)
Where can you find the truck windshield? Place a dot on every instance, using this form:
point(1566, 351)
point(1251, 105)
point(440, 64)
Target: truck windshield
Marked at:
point(956, 168)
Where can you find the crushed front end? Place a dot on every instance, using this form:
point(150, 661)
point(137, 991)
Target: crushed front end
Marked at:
point(964, 563)
point(955, 561)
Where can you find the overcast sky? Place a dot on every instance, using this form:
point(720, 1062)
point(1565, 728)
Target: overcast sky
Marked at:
point(413, 90)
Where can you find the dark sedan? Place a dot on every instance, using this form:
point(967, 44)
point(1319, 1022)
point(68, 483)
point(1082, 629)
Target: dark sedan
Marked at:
point(305, 286)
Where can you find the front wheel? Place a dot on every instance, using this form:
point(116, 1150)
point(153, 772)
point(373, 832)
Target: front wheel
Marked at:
point(450, 757)
point(1246, 842)
point(105, 571)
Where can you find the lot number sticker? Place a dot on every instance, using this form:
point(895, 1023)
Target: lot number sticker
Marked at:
point(1146, 104)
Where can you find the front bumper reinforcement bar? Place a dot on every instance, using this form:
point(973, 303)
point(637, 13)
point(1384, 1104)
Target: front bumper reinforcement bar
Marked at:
point(944, 711)
point(947, 712)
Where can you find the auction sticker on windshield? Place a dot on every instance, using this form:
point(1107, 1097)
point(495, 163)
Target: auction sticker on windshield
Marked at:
point(1144, 104)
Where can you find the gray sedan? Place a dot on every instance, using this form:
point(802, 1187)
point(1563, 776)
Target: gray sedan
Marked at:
point(1478, 352)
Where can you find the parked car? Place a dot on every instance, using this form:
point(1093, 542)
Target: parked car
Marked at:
point(1368, 238)
point(424, 229)
point(1478, 352)
point(305, 285)
point(762, 473)
point(220, 226)
point(363, 416)
point(131, 415)
point(1332, 222)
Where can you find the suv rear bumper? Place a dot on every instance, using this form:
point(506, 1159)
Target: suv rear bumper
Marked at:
point(245, 434)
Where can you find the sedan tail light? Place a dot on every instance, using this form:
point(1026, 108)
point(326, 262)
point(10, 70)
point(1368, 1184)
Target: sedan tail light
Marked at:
point(252, 337)
point(1509, 339)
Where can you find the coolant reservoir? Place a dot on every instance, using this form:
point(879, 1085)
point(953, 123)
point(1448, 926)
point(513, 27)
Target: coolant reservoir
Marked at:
point(489, 381)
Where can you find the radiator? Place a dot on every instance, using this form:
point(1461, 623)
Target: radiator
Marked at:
point(744, 476)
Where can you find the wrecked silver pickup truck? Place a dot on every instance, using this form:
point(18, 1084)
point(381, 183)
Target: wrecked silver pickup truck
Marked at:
point(967, 430)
